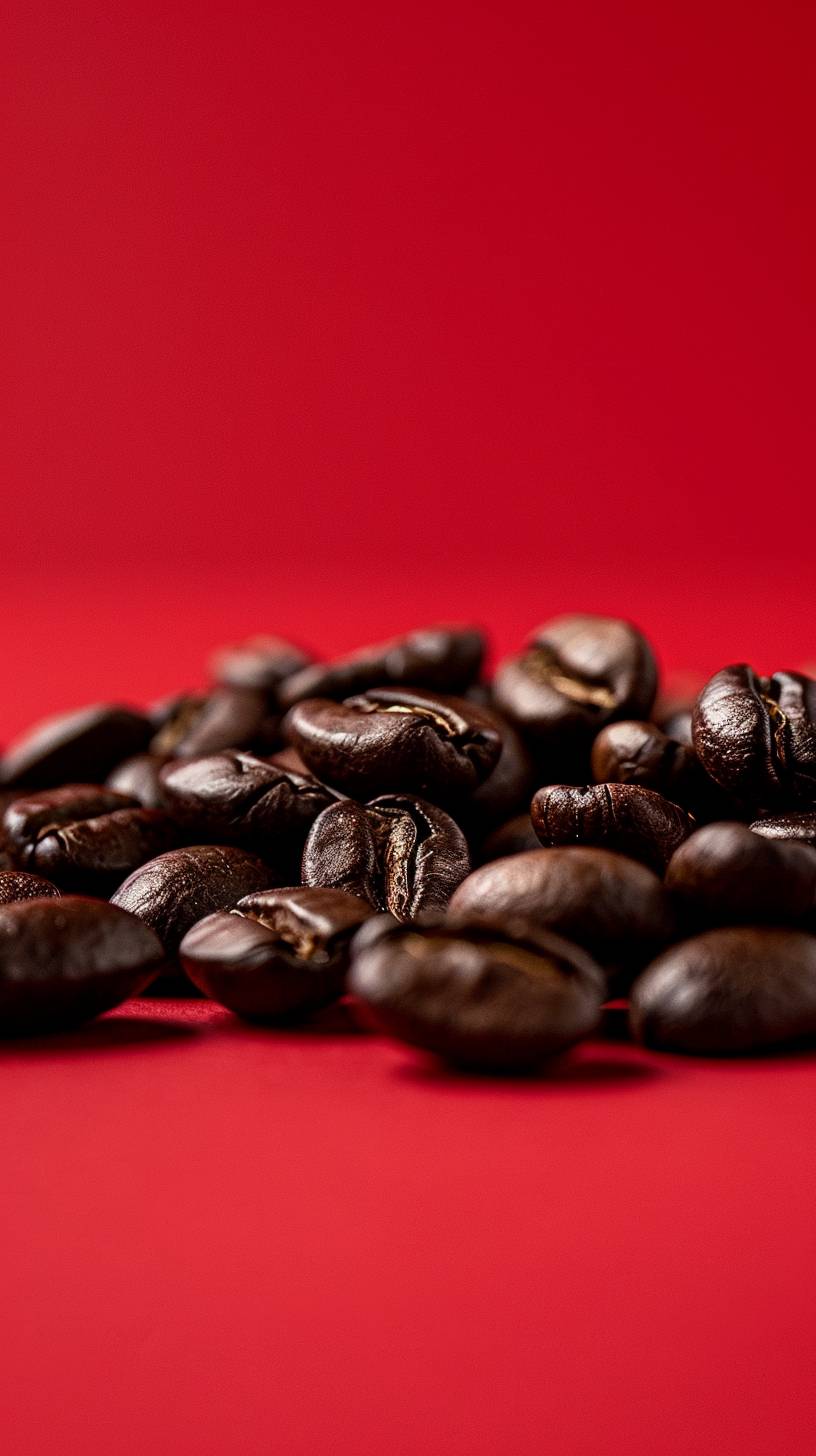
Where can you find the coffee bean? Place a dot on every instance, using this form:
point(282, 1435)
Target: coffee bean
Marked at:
point(17, 885)
point(191, 726)
point(800, 827)
point(483, 997)
point(724, 874)
point(631, 752)
point(614, 907)
point(138, 777)
point(278, 954)
point(507, 788)
point(32, 815)
point(260, 663)
point(756, 737)
point(577, 674)
point(173, 891)
point(397, 853)
point(444, 659)
point(727, 991)
point(622, 817)
point(396, 740)
point(72, 747)
point(514, 837)
point(85, 837)
point(65, 960)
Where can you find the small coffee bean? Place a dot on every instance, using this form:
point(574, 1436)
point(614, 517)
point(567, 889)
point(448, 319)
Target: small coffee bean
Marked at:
point(396, 740)
point(399, 854)
point(614, 907)
point(724, 874)
point(481, 996)
point(94, 855)
point(17, 885)
point(577, 674)
point(727, 991)
point(260, 663)
point(442, 659)
point(507, 788)
point(277, 954)
point(631, 752)
point(192, 726)
point(138, 777)
point(622, 817)
point(65, 960)
point(800, 827)
point(32, 815)
point(756, 737)
point(72, 747)
point(173, 891)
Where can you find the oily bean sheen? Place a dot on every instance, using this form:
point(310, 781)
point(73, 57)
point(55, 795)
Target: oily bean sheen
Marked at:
point(84, 745)
point(614, 907)
point(482, 996)
point(278, 954)
point(138, 777)
point(32, 815)
point(94, 855)
point(65, 960)
point(756, 737)
point(728, 991)
point(18, 885)
point(191, 726)
point(173, 891)
point(513, 837)
point(622, 817)
point(631, 752)
point(396, 740)
point(397, 853)
point(800, 827)
point(577, 674)
point(444, 659)
point(725, 874)
point(507, 788)
point(260, 663)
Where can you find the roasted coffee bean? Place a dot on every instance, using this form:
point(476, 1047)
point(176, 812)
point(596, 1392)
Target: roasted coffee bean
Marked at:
point(505, 791)
point(614, 907)
point(622, 817)
point(173, 891)
point(278, 954)
point(483, 997)
point(756, 737)
point(632, 752)
point(514, 837)
point(726, 875)
point(728, 991)
point(65, 960)
point(577, 674)
point(788, 826)
point(443, 659)
point(678, 726)
point(32, 815)
point(71, 747)
point(260, 663)
point(191, 726)
point(138, 777)
point(17, 885)
point(238, 798)
point(396, 740)
point(93, 856)
point(399, 854)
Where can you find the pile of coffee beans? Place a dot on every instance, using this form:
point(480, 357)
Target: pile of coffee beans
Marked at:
point(482, 865)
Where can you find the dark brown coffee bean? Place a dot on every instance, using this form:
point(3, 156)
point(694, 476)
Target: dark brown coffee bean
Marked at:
point(621, 817)
point(260, 663)
point(193, 726)
point(73, 747)
point(728, 991)
point(93, 856)
point(443, 659)
point(507, 788)
point(578, 673)
point(138, 777)
point(396, 740)
point(32, 815)
point(17, 885)
point(400, 854)
point(725, 874)
point(614, 907)
point(756, 737)
point(801, 827)
point(514, 837)
point(632, 752)
point(173, 891)
point(65, 960)
point(475, 994)
point(278, 954)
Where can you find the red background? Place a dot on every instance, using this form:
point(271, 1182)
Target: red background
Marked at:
point(328, 320)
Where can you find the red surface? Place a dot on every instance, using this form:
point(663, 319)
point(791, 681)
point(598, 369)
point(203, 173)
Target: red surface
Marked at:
point(329, 320)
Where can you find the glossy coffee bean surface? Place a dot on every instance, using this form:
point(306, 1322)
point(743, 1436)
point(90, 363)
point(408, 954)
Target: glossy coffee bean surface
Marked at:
point(278, 954)
point(725, 874)
point(173, 891)
point(191, 725)
point(32, 814)
point(632, 752)
point(799, 827)
point(733, 990)
point(260, 663)
point(239, 797)
point(398, 853)
point(65, 960)
point(138, 778)
point(621, 817)
point(72, 747)
point(442, 659)
point(19, 885)
point(756, 737)
point(483, 997)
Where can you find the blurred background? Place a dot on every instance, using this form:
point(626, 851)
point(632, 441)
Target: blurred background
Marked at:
point(332, 319)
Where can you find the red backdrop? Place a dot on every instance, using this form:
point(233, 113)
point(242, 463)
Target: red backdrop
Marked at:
point(328, 319)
